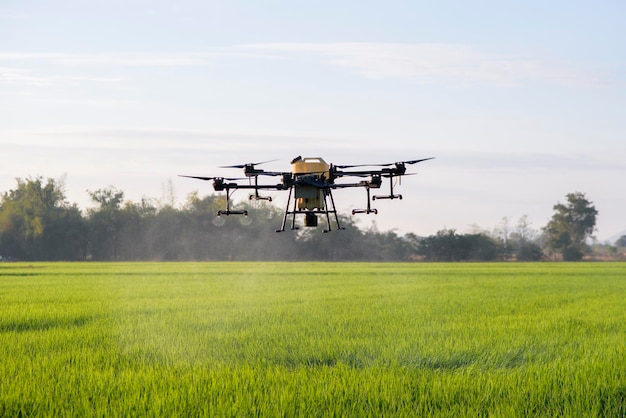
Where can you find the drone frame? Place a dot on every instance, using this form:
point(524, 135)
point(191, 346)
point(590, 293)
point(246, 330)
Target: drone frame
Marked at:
point(318, 183)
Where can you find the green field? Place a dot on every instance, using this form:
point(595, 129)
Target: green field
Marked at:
point(312, 339)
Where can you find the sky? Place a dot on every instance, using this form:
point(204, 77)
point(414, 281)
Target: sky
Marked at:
point(521, 103)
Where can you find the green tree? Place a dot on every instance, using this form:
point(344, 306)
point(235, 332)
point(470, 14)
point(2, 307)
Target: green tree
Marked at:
point(524, 238)
point(105, 223)
point(447, 245)
point(570, 226)
point(36, 223)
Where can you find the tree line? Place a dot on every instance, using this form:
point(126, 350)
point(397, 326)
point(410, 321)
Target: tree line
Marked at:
point(37, 223)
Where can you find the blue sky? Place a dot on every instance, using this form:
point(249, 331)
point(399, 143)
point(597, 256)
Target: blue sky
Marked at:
point(521, 103)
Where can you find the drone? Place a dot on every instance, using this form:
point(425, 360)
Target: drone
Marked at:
point(310, 184)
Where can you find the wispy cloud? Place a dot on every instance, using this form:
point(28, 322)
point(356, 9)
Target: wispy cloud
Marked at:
point(421, 63)
point(136, 59)
point(98, 103)
point(520, 162)
point(169, 139)
point(19, 76)
point(10, 75)
point(435, 62)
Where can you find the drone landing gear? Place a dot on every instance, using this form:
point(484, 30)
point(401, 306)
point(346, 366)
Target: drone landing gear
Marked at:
point(369, 209)
point(310, 215)
point(390, 196)
point(256, 195)
point(228, 212)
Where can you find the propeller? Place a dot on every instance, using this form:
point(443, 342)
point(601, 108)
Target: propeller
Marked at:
point(418, 161)
point(247, 164)
point(214, 178)
point(386, 164)
point(364, 174)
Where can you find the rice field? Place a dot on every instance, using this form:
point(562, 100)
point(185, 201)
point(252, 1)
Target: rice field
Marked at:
point(313, 339)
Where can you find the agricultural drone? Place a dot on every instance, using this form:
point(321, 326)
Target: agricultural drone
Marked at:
point(310, 184)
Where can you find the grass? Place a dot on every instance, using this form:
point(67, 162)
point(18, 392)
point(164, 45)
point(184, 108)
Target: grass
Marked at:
point(312, 339)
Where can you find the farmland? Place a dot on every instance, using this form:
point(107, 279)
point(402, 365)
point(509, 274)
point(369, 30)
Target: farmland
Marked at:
point(313, 339)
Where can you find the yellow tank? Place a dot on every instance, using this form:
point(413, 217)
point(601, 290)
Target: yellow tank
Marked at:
point(313, 166)
point(310, 197)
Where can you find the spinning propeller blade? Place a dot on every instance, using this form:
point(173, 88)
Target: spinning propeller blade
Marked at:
point(418, 161)
point(247, 164)
point(214, 177)
point(384, 165)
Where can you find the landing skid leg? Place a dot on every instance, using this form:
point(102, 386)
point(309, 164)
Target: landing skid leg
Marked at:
point(327, 211)
point(332, 201)
point(293, 214)
point(282, 226)
point(369, 208)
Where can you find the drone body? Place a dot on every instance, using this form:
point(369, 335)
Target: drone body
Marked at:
point(310, 184)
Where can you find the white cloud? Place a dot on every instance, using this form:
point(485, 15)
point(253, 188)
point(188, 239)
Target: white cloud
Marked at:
point(434, 62)
point(119, 139)
point(133, 59)
point(417, 63)
point(97, 103)
point(25, 77)
point(19, 76)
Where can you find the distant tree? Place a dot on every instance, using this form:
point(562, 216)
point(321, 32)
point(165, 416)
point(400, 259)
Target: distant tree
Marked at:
point(502, 232)
point(348, 244)
point(134, 222)
point(382, 246)
point(526, 249)
point(447, 245)
point(108, 199)
point(569, 227)
point(621, 242)
point(105, 223)
point(163, 235)
point(36, 223)
point(480, 247)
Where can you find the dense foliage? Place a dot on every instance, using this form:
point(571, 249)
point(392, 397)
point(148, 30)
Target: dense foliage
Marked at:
point(37, 223)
